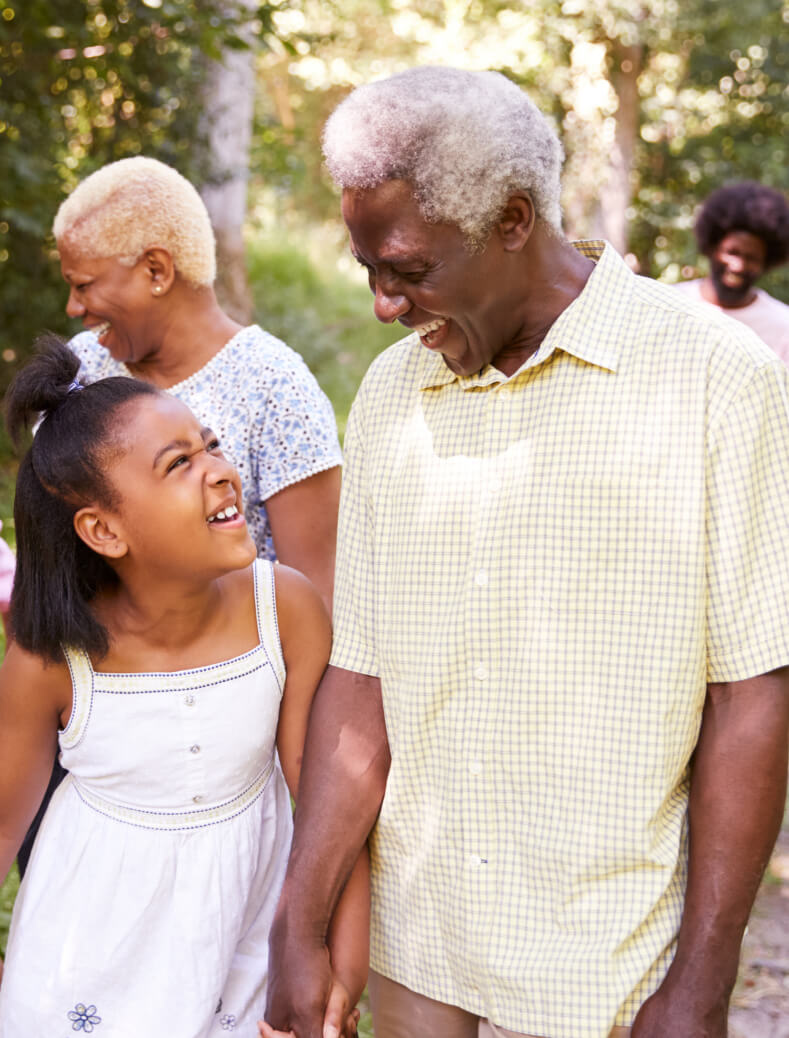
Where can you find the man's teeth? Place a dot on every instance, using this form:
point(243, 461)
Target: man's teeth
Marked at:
point(100, 329)
point(426, 329)
point(226, 513)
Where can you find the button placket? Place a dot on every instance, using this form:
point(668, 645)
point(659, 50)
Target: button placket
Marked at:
point(191, 733)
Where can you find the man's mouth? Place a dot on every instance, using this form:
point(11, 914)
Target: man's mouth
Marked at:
point(431, 334)
point(224, 515)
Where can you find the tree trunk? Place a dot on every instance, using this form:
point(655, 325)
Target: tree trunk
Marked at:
point(616, 192)
point(228, 106)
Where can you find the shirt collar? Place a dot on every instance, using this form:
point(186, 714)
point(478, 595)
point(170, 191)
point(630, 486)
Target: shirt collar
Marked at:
point(587, 329)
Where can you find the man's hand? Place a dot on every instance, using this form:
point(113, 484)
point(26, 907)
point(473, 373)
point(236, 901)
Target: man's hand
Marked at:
point(671, 1012)
point(298, 988)
point(339, 1019)
point(737, 796)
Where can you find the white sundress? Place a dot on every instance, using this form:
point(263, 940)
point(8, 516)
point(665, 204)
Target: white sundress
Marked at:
point(147, 905)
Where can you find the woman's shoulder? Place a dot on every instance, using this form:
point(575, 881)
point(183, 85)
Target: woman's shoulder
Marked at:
point(257, 377)
point(254, 352)
point(95, 361)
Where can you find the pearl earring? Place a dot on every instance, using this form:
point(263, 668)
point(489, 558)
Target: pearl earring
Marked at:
point(157, 289)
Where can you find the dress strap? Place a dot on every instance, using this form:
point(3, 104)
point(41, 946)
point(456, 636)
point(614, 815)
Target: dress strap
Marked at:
point(82, 692)
point(266, 610)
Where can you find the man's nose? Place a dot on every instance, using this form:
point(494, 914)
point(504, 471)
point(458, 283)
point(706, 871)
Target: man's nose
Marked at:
point(388, 306)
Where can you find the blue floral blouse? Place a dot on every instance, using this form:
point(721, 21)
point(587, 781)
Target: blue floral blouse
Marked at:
point(260, 399)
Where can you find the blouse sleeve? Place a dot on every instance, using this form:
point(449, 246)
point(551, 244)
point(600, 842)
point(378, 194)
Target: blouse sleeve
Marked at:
point(295, 435)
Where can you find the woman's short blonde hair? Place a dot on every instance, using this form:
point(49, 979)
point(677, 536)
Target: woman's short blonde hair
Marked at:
point(135, 204)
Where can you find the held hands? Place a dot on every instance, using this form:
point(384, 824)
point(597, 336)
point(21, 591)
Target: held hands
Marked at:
point(340, 1020)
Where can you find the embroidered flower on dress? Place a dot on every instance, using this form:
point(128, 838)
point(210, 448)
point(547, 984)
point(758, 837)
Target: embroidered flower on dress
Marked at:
point(84, 1018)
point(228, 1022)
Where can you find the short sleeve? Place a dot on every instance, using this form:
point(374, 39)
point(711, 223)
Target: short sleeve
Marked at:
point(297, 433)
point(354, 592)
point(95, 361)
point(747, 530)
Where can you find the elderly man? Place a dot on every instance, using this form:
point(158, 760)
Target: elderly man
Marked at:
point(743, 230)
point(556, 699)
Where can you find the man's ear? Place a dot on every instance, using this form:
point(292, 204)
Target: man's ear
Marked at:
point(516, 222)
point(98, 530)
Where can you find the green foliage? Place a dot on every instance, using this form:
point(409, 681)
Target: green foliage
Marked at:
point(722, 117)
point(7, 894)
point(319, 312)
point(82, 84)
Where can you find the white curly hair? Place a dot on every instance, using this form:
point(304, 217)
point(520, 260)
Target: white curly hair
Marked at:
point(465, 142)
point(135, 204)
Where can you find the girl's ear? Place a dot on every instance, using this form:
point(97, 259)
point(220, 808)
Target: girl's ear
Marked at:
point(98, 530)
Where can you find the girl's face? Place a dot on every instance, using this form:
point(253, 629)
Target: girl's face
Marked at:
point(113, 300)
point(180, 512)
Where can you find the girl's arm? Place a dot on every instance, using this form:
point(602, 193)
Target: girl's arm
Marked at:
point(34, 699)
point(305, 635)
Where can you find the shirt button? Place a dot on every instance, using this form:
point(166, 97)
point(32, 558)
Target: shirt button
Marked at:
point(480, 672)
point(481, 578)
point(194, 749)
point(475, 767)
point(196, 799)
point(189, 700)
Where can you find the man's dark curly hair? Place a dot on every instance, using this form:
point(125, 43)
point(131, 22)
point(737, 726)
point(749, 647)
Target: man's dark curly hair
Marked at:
point(746, 206)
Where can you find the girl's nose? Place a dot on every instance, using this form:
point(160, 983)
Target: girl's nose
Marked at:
point(220, 470)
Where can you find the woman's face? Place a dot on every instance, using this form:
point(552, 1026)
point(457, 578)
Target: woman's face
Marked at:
point(116, 302)
point(180, 510)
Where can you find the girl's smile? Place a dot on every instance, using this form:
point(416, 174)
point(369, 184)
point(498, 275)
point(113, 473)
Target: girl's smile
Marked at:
point(180, 500)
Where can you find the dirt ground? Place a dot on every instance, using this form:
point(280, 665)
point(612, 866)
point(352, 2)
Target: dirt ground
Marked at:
point(760, 1003)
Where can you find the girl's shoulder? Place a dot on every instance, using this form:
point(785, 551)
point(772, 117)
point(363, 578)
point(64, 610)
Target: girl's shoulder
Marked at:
point(301, 614)
point(35, 684)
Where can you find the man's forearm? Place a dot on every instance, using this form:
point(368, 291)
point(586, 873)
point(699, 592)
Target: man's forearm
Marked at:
point(738, 790)
point(343, 779)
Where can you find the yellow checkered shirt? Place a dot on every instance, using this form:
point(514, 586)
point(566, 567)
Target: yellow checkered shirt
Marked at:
point(545, 571)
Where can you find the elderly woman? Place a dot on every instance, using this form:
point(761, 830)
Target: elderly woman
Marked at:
point(137, 250)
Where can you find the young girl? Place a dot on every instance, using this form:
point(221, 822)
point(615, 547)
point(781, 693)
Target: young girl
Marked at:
point(176, 672)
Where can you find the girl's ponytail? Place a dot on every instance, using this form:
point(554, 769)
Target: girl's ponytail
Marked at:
point(57, 575)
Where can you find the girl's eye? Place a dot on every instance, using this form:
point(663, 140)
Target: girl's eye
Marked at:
point(177, 462)
point(212, 445)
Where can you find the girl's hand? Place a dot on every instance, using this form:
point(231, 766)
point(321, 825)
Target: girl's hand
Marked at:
point(341, 1018)
point(268, 1032)
point(339, 1021)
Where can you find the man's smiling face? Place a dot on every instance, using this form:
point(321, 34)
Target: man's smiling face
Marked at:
point(424, 276)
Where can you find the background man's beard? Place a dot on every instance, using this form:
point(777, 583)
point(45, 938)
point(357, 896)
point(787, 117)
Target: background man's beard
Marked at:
point(728, 296)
